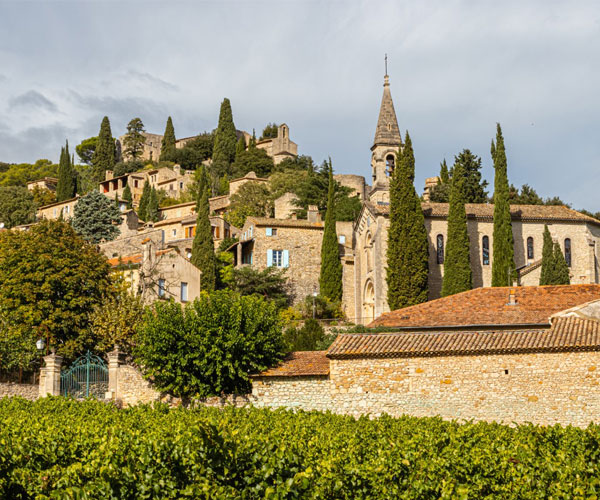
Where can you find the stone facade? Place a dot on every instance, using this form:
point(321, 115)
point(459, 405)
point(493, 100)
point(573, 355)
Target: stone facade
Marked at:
point(48, 183)
point(27, 391)
point(152, 146)
point(281, 147)
point(354, 182)
point(131, 387)
point(306, 393)
point(53, 211)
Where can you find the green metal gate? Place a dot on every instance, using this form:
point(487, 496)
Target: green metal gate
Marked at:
point(87, 377)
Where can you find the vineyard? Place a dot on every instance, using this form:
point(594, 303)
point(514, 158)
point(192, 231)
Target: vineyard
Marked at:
point(57, 448)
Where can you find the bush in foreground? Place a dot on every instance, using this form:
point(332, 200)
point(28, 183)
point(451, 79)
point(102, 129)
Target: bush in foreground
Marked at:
point(58, 448)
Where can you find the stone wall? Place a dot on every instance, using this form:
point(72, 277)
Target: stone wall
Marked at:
point(27, 391)
point(306, 393)
point(132, 388)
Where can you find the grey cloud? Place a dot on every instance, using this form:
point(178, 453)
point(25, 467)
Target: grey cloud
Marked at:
point(16, 147)
point(3, 78)
point(152, 80)
point(32, 99)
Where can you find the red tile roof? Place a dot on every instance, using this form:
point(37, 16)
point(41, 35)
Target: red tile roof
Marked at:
point(271, 222)
point(300, 364)
point(567, 334)
point(489, 307)
point(133, 259)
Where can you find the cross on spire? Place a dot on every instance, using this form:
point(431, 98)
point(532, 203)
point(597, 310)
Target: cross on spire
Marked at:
point(386, 65)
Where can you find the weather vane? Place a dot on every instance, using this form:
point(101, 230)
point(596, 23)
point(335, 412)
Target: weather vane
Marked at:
point(386, 64)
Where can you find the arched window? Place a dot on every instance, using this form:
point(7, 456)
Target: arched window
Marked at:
point(568, 251)
point(530, 248)
point(485, 251)
point(389, 164)
point(440, 248)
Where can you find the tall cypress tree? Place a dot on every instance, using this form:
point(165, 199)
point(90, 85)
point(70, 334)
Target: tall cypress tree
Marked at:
point(104, 156)
point(561, 270)
point(203, 250)
point(330, 280)
point(408, 250)
point(444, 175)
point(144, 200)
point(127, 196)
point(152, 213)
point(225, 141)
point(457, 264)
point(240, 146)
point(167, 147)
point(503, 260)
point(67, 182)
point(546, 275)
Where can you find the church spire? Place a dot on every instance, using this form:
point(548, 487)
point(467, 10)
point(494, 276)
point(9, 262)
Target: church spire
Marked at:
point(387, 132)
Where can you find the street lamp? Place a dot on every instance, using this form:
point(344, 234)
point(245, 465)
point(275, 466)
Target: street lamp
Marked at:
point(40, 345)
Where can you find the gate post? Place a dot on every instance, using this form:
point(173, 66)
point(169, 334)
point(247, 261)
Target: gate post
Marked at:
point(114, 358)
point(50, 376)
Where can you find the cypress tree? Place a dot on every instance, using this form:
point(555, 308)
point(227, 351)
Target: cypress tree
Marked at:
point(203, 250)
point(127, 196)
point(407, 252)
point(167, 147)
point(152, 213)
point(144, 199)
point(330, 280)
point(503, 261)
point(546, 275)
point(104, 156)
point(561, 270)
point(225, 141)
point(444, 175)
point(457, 265)
point(67, 185)
point(240, 146)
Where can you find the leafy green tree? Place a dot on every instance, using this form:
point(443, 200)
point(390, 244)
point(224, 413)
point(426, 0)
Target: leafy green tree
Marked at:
point(270, 283)
point(561, 269)
point(211, 346)
point(105, 153)
point(195, 151)
point(17, 206)
point(67, 183)
point(128, 197)
point(407, 252)
point(42, 196)
point(547, 271)
point(61, 279)
point(96, 218)
point(527, 196)
point(144, 200)
point(474, 185)
point(330, 279)
point(134, 139)
point(347, 208)
point(270, 131)
point(86, 149)
point(254, 160)
point(225, 141)
point(240, 147)
point(168, 151)
point(20, 174)
point(152, 213)
point(457, 264)
point(309, 337)
point(503, 261)
point(203, 250)
point(127, 167)
point(252, 199)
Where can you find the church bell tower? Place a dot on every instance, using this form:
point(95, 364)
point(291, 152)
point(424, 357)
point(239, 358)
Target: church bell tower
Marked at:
point(385, 145)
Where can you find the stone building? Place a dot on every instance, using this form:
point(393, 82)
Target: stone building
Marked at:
point(280, 147)
point(151, 148)
point(54, 210)
point(184, 228)
point(48, 183)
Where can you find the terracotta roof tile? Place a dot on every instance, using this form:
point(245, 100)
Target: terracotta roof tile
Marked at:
point(268, 221)
point(567, 334)
point(489, 306)
point(300, 364)
point(133, 259)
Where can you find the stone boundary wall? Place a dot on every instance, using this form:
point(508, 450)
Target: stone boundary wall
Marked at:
point(27, 391)
point(306, 393)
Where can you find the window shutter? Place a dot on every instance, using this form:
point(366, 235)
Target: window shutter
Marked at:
point(269, 231)
point(286, 258)
point(269, 258)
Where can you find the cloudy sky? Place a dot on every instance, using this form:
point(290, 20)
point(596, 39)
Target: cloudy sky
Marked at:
point(456, 68)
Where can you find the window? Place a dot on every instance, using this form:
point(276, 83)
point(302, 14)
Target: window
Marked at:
point(135, 183)
point(247, 258)
point(440, 248)
point(485, 250)
point(190, 232)
point(568, 251)
point(389, 164)
point(161, 287)
point(530, 248)
point(271, 231)
point(277, 258)
point(67, 209)
point(181, 185)
point(174, 232)
point(54, 211)
point(184, 292)
point(251, 231)
point(342, 239)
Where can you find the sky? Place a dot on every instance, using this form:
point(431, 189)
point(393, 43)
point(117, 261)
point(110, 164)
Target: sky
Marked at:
point(456, 69)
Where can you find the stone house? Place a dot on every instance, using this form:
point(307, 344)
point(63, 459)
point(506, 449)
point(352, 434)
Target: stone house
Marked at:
point(184, 228)
point(48, 183)
point(54, 210)
point(280, 147)
point(151, 149)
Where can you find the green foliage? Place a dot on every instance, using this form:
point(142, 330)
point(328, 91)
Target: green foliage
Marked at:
point(527, 196)
point(547, 271)
point(225, 141)
point(105, 153)
point(503, 261)
point(561, 270)
point(211, 345)
point(240, 147)
point(168, 151)
point(152, 213)
point(474, 186)
point(203, 250)
point(457, 264)
point(86, 149)
point(144, 200)
point(302, 163)
point(17, 206)
point(408, 249)
point(127, 196)
point(134, 139)
point(254, 160)
point(67, 177)
point(270, 283)
point(51, 279)
point(320, 307)
point(127, 167)
point(195, 151)
point(252, 199)
point(22, 173)
point(269, 132)
point(41, 196)
point(330, 278)
point(17, 348)
point(309, 337)
point(444, 174)
point(96, 218)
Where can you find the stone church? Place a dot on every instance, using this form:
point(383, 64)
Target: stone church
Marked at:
point(365, 288)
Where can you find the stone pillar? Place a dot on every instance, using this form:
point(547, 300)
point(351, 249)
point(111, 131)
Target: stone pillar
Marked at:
point(50, 376)
point(114, 360)
point(239, 255)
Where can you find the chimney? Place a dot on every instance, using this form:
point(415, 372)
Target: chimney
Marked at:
point(313, 214)
point(512, 300)
point(108, 175)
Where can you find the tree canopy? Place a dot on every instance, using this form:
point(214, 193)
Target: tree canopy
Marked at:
point(134, 139)
point(105, 153)
point(251, 199)
point(86, 149)
point(17, 206)
point(168, 150)
point(270, 131)
point(96, 218)
point(13, 174)
point(225, 141)
point(254, 160)
point(67, 176)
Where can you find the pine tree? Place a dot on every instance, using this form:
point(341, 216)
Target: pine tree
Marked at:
point(167, 148)
point(203, 250)
point(457, 264)
point(561, 270)
point(225, 141)
point(152, 212)
point(67, 182)
point(407, 252)
point(144, 199)
point(546, 275)
point(503, 261)
point(134, 139)
point(474, 186)
point(127, 196)
point(96, 218)
point(330, 280)
point(104, 155)
point(252, 139)
point(240, 146)
point(117, 203)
